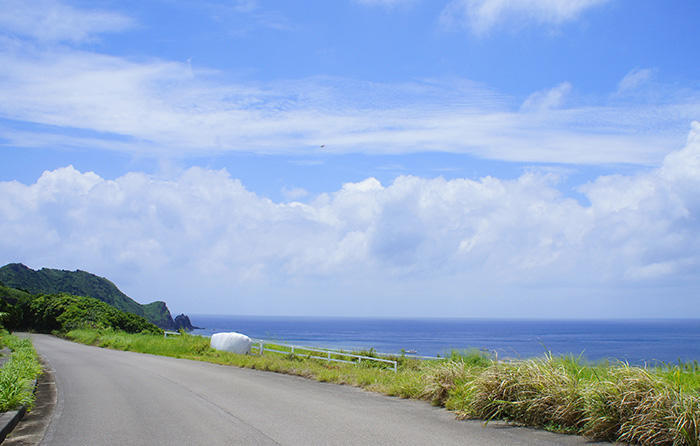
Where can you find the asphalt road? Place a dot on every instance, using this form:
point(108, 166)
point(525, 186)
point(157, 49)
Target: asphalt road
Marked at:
point(108, 397)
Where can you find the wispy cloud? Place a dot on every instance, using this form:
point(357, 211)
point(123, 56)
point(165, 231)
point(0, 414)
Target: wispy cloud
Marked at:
point(246, 5)
point(165, 107)
point(71, 97)
point(256, 16)
point(480, 16)
point(547, 99)
point(634, 79)
point(53, 21)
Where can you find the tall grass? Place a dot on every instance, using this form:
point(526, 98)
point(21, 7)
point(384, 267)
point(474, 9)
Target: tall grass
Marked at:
point(538, 392)
point(17, 374)
point(658, 406)
point(635, 405)
point(617, 402)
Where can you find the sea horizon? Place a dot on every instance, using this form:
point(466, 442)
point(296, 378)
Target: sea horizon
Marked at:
point(488, 318)
point(637, 341)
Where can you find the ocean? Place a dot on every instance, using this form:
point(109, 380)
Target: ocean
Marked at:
point(635, 341)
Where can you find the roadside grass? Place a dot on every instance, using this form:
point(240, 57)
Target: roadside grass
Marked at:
point(604, 401)
point(17, 374)
point(405, 383)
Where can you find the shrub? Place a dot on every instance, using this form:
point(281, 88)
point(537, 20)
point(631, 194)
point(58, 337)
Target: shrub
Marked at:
point(64, 312)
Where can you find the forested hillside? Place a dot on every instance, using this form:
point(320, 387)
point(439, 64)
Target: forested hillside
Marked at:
point(82, 283)
point(64, 312)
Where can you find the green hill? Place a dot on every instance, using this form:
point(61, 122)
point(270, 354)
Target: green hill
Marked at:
point(64, 312)
point(82, 283)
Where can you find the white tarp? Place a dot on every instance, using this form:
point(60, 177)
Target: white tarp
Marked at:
point(231, 342)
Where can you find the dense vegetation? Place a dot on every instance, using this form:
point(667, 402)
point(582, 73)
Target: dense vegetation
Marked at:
point(650, 406)
point(64, 312)
point(17, 374)
point(81, 283)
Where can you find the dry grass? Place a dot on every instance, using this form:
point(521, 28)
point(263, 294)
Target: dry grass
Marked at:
point(634, 405)
point(442, 378)
point(539, 392)
point(616, 403)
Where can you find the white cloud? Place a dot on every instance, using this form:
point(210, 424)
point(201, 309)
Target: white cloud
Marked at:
point(203, 232)
point(294, 193)
point(254, 14)
point(161, 108)
point(53, 21)
point(634, 79)
point(547, 99)
point(165, 108)
point(480, 16)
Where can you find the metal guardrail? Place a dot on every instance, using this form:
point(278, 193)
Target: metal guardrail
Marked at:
point(328, 355)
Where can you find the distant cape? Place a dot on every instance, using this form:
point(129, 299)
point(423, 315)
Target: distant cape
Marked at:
point(82, 283)
point(182, 321)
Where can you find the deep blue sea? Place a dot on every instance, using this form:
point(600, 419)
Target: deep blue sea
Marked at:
point(634, 341)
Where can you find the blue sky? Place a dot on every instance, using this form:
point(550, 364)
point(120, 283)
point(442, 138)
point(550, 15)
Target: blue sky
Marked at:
point(481, 157)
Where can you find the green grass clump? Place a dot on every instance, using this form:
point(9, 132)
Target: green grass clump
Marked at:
point(442, 378)
point(538, 392)
point(635, 405)
point(656, 406)
point(648, 406)
point(17, 374)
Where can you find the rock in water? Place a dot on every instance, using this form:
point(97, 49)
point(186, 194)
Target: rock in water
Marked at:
point(231, 342)
point(182, 322)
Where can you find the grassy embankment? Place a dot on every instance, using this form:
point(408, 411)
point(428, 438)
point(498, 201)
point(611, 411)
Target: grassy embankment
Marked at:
point(654, 406)
point(17, 374)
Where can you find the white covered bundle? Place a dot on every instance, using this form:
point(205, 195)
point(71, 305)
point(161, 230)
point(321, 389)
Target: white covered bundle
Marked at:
point(231, 342)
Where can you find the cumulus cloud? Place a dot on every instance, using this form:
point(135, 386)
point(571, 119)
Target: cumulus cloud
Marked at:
point(635, 230)
point(480, 16)
point(53, 21)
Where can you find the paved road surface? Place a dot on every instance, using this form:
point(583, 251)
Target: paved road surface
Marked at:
point(108, 397)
